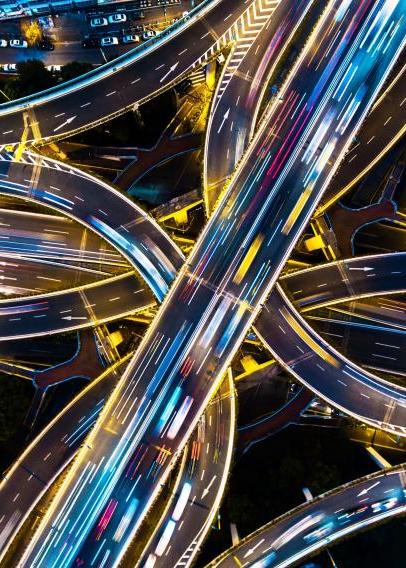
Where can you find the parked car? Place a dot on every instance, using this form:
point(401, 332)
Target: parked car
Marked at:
point(98, 22)
point(148, 35)
point(46, 45)
point(18, 43)
point(10, 67)
point(3, 43)
point(107, 41)
point(117, 18)
point(131, 38)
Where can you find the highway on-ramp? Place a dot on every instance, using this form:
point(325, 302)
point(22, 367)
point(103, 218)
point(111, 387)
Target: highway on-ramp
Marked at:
point(127, 81)
point(98, 206)
point(180, 345)
point(333, 377)
point(316, 524)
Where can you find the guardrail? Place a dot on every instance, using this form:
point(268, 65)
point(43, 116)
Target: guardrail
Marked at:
point(304, 506)
point(111, 67)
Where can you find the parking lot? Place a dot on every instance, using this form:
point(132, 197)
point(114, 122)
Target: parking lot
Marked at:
point(79, 36)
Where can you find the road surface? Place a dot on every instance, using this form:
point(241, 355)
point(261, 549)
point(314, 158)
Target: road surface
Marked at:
point(257, 210)
point(323, 520)
point(126, 81)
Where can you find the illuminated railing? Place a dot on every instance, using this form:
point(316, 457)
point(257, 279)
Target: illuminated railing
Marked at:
point(111, 67)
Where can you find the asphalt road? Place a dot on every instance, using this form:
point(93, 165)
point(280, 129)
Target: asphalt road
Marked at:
point(211, 285)
point(382, 310)
point(57, 239)
point(199, 489)
point(240, 89)
point(83, 306)
point(126, 81)
point(374, 346)
point(101, 208)
point(346, 279)
point(317, 365)
point(21, 276)
point(327, 518)
point(382, 129)
point(49, 453)
point(342, 280)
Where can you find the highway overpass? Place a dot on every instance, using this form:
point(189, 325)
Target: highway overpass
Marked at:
point(320, 522)
point(190, 279)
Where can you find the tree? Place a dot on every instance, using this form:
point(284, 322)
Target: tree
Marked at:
point(75, 69)
point(33, 77)
point(31, 30)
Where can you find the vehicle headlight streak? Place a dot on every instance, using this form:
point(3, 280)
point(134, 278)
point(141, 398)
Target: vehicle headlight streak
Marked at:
point(145, 266)
point(214, 277)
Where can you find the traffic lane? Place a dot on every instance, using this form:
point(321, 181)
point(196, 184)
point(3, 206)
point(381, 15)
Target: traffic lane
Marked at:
point(233, 118)
point(49, 453)
point(159, 448)
point(202, 299)
point(56, 237)
point(321, 285)
point(330, 375)
point(375, 346)
point(384, 126)
point(320, 147)
point(151, 71)
point(311, 526)
point(387, 310)
point(384, 310)
point(182, 529)
point(79, 195)
point(21, 276)
point(60, 311)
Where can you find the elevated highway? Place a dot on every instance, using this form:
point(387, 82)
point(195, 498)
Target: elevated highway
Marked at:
point(50, 452)
point(200, 270)
point(56, 239)
point(348, 279)
point(314, 525)
point(382, 310)
point(80, 196)
point(316, 364)
point(240, 90)
point(112, 298)
point(79, 307)
point(199, 489)
point(129, 80)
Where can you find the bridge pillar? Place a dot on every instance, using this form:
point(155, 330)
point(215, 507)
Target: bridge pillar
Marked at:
point(235, 537)
point(378, 459)
point(211, 75)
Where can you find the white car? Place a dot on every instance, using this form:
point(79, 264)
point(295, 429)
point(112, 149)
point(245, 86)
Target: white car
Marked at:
point(117, 18)
point(148, 35)
point(3, 43)
point(131, 38)
point(10, 67)
point(107, 41)
point(18, 43)
point(98, 22)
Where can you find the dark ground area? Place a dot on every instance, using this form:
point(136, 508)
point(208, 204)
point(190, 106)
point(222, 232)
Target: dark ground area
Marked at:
point(380, 547)
point(268, 480)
